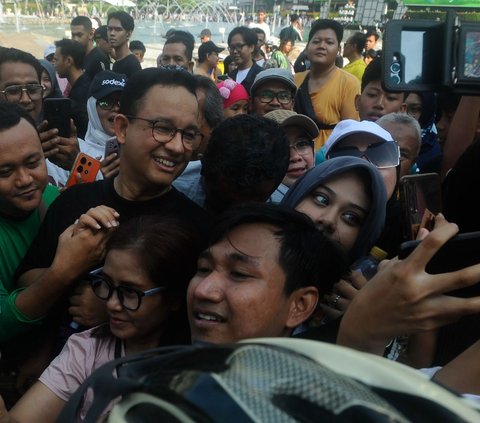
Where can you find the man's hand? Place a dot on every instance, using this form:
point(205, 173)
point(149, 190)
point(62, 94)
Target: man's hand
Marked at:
point(59, 150)
point(86, 308)
point(402, 298)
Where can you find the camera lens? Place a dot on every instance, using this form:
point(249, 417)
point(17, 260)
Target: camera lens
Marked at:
point(80, 169)
point(83, 160)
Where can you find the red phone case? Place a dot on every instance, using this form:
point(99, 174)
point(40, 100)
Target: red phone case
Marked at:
point(86, 166)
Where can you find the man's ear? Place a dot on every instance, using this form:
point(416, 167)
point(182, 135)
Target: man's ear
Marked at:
point(357, 101)
point(303, 302)
point(121, 123)
point(403, 108)
point(191, 63)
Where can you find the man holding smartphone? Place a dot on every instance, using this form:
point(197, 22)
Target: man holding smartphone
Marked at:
point(20, 83)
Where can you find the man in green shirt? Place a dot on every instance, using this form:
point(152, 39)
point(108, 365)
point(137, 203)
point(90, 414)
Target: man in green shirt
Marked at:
point(24, 197)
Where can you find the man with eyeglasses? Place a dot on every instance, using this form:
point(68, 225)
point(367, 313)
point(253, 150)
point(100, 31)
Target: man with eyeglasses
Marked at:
point(20, 76)
point(242, 42)
point(352, 50)
point(273, 89)
point(157, 129)
point(301, 131)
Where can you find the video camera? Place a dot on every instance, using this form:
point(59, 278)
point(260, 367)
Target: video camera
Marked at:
point(424, 55)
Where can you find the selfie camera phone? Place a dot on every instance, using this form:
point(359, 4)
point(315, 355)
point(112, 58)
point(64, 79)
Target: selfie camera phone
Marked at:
point(461, 251)
point(58, 111)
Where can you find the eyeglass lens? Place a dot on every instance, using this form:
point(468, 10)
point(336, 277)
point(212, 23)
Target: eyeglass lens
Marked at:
point(383, 154)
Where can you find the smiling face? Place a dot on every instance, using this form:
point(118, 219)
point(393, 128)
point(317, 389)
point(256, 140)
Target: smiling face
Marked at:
point(146, 164)
point(238, 290)
point(23, 173)
point(107, 117)
point(299, 163)
point(18, 73)
point(275, 87)
point(142, 328)
point(374, 102)
point(323, 48)
point(338, 207)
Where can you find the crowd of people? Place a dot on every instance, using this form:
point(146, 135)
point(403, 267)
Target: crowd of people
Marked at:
point(238, 205)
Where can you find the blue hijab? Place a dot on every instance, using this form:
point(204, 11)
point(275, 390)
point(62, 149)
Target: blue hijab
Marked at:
point(375, 219)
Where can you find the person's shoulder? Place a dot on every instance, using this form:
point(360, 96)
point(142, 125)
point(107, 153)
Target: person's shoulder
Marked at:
point(299, 77)
point(50, 193)
point(348, 78)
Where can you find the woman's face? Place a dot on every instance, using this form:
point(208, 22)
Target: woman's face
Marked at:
point(142, 328)
point(238, 108)
point(107, 109)
point(338, 208)
point(47, 84)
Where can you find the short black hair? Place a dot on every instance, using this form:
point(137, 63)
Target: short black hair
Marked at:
point(82, 21)
point(184, 38)
point(73, 49)
point(372, 73)
point(248, 34)
point(358, 40)
point(14, 55)
point(137, 45)
point(372, 32)
point(101, 32)
point(213, 105)
point(259, 31)
point(307, 256)
point(320, 24)
point(140, 82)
point(246, 158)
point(294, 17)
point(125, 19)
point(11, 113)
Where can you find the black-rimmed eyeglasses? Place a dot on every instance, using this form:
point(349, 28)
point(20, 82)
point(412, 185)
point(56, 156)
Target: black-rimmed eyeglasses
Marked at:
point(267, 96)
point(236, 47)
point(163, 133)
point(129, 297)
point(303, 147)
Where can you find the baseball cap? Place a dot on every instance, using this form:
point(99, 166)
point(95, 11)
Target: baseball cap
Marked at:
point(50, 49)
point(289, 117)
point(382, 155)
point(205, 33)
point(208, 47)
point(274, 74)
point(105, 83)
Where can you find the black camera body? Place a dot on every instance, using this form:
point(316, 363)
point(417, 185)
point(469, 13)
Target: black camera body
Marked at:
point(424, 55)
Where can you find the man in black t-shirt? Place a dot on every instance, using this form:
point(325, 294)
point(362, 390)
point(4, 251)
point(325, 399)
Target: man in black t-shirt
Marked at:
point(157, 129)
point(120, 27)
point(95, 59)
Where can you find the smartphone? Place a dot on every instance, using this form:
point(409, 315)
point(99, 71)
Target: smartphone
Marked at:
point(58, 111)
point(86, 166)
point(461, 251)
point(112, 146)
point(420, 201)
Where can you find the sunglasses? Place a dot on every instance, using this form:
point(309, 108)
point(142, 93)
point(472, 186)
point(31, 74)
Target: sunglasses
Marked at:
point(108, 103)
point(382, 154)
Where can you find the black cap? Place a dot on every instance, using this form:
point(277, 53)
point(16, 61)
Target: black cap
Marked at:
point(105, 83)
point(208, 47)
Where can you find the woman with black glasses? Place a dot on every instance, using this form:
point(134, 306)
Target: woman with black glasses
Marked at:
point(148, 265)
point(103, 105)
